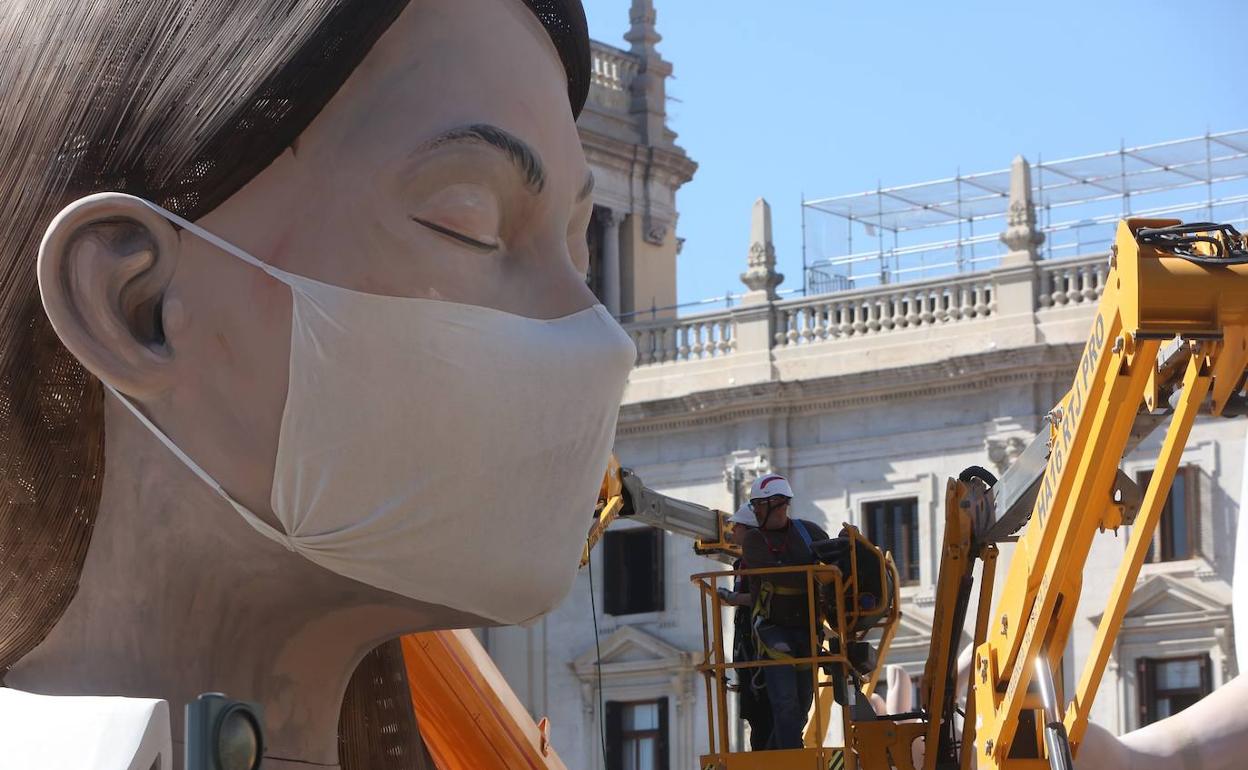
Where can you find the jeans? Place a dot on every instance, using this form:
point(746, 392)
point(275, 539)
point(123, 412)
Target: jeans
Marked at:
point(790, 688)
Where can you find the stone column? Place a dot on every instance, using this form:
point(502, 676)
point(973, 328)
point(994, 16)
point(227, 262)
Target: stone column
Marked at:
point(589, 725)
point(610, 259)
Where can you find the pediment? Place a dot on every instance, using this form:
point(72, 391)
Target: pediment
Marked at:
point(1166, 605)
point(914, 624)
point(914, 635)
point(1162, 596)
point(631, 648)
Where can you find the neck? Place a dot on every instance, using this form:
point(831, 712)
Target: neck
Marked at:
point(179, 596)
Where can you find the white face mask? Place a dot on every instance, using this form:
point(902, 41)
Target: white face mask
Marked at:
point(449, 453)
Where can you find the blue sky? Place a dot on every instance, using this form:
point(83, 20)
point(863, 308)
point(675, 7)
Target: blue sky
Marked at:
point(827, 97)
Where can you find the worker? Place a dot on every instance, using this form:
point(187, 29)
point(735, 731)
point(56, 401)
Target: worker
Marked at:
point(780, 615)
point(753, 706)
point(742, 522)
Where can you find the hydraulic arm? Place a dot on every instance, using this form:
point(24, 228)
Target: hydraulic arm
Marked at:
point(623, 495)
point(1169, 339)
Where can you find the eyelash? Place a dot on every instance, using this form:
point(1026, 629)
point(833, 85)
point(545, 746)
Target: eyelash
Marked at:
point(449, 233)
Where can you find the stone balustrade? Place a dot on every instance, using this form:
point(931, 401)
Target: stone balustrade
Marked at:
point(865, 312)
point(868, 330)
point(691, 338)
point(873, 311)
point(612, 68)
point(1072, 281)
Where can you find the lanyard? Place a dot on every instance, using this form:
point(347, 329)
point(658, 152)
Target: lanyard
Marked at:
point(784, 547)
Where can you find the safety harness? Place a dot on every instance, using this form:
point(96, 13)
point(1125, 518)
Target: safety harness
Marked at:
point(761, 612)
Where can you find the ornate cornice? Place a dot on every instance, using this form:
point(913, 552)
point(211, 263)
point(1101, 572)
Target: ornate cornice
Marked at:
point(952, 376)
point(670, 164)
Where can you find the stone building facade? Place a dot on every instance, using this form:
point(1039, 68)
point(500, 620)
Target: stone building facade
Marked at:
point(868, 400)
point(637, 168)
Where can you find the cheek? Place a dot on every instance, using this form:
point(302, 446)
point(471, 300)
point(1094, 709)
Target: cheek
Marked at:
point(232, 361)
point(257, 330)
point(234, 343)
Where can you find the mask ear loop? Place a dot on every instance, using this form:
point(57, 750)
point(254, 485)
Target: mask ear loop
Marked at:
point(220, 243)
point(255, 521)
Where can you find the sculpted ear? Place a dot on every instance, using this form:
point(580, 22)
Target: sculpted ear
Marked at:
point(104, 265)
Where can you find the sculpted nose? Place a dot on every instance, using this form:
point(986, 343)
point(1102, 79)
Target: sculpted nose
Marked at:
point(552, 286)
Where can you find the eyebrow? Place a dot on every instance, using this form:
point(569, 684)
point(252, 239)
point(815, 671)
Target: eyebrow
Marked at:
point(520, 154)
point(588, 188)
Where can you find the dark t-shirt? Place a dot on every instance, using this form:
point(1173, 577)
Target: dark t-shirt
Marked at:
point(781, 548)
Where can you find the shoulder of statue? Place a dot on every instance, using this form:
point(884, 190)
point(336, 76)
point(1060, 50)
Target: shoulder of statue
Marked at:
point(106, 733)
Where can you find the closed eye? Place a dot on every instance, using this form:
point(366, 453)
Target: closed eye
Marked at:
point(467, 212)
point(449, 233)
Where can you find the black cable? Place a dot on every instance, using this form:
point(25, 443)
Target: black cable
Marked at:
point(1181, 241)
point(593, 611)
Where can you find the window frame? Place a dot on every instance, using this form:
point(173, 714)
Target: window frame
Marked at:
point(618, 600)
point(1162, 549)
point(617, 736)
point(911, 540)
point(1146, 684)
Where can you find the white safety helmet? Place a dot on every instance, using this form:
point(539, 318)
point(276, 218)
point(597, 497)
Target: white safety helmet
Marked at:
point(770, 485)
point(744, 515)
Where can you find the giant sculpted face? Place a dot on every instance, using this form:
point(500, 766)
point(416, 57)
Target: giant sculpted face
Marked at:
point(372, 356)
point(448, 167)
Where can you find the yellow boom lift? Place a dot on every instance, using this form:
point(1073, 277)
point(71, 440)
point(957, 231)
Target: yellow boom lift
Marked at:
point(1169, 341)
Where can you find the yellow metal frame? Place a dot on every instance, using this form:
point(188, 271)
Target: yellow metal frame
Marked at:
point(611, 502)
point(715, 665)
point(888, 621)
point(1150, 296)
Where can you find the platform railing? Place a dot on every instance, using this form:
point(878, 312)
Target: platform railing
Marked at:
point(829, 641)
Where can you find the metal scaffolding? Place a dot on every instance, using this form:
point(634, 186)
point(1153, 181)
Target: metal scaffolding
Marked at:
point(946, 226)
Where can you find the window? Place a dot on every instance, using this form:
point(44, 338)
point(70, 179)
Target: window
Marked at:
point(1169, 685)
point(1178, 530)
point(634, 571)
point(637, 735)
point(893, 525)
